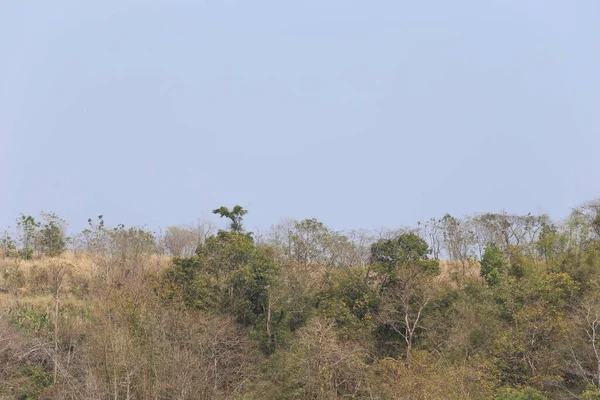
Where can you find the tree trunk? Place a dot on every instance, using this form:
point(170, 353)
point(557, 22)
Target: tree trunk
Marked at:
point(409, 350)
point(56, 309)
point(269, 333)
point(598, 381)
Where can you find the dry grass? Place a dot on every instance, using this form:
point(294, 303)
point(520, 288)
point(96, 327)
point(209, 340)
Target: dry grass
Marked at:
point(83, 267)
point(34, 277)
point(450, 271)
point(82, 263)
point(41, 302)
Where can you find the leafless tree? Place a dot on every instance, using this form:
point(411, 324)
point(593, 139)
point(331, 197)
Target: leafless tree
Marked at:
point(458, 239)
point(404, 303)
point(587, 318)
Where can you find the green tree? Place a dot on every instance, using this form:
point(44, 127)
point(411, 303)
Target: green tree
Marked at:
point(52, 235)
point(308, 240)
point(184, 283)
point(492, 265)
point(408, 253)
point(407, 284)
point(533, 309)
point(231, 274)
point(7, 244)
point(236, 215)
point(349, 299)
point(28, 228)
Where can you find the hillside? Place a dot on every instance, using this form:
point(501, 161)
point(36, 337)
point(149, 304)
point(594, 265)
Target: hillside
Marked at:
point(490, 306)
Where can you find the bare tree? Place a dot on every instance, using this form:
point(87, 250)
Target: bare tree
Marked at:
point(280, 236)
point(403, 308)
point(58, 272)
point(431, 232)
point(458, 240)
point(587, 317)
point(181, 241)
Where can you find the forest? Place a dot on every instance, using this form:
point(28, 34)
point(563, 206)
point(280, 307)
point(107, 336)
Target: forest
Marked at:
point(485, 306)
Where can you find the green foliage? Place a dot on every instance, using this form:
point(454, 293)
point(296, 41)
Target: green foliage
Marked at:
point(309, 241)
point(583, 267)
point(305, 316)
point(52, 235)
point(230, 274)
point(320, 366)
point(550, 244)
point(26, 253)
point(8, 244)
point(31, 321)
point(492, 265)
point(119, 252)
point(224, 253)
point(251, 285)
point(591, 394)
point(350, 300)
point(406, 286)
point(407, 252)
point(236, 215)
point(34, 380)
point(35, 237)
point(27, 227)
point(525, 394)
point(533, 309)
point(184, 283)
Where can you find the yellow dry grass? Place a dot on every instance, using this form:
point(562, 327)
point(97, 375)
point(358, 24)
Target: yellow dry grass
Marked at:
point(27, 283)
point(450, 271)
point(39, 302)
point(81, 263)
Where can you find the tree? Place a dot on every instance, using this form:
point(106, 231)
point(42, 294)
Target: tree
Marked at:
point(348, 297)
point(319, 366)
point(118, 252)
point(431, 231)
point(458, 239)
point(309, 240)
point(551, 243)
point(27, 227)
point(7, 245)
point(236, 216)
point(58, 272)
point(528, 352)
point(408, 252)
point(52, 235)
point(587, 320)
point(407, 273)
point(492, 265)
point(183, 240)
point(504, 230)
point(232, 274)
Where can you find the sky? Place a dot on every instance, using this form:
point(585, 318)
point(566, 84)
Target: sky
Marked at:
point(361, 114)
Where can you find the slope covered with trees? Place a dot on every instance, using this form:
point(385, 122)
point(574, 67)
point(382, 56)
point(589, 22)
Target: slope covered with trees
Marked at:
point(489, 306)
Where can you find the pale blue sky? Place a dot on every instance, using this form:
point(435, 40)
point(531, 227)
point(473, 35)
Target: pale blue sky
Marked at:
point(359, 113)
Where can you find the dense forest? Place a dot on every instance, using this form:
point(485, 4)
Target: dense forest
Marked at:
point(487, 306)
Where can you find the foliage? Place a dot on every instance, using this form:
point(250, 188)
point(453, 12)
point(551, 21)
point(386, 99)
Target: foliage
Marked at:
point(303, 312)
point(525, 394)
point(406, 286)
point(349, 299)
point(52, 235)
point(236, 214)
point(408, 254)
point(492, 265)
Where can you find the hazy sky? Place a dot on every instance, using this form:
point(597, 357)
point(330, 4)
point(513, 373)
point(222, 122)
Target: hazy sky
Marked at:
point(358, 113)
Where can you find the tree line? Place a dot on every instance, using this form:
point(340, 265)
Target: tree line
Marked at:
point(489, 306)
